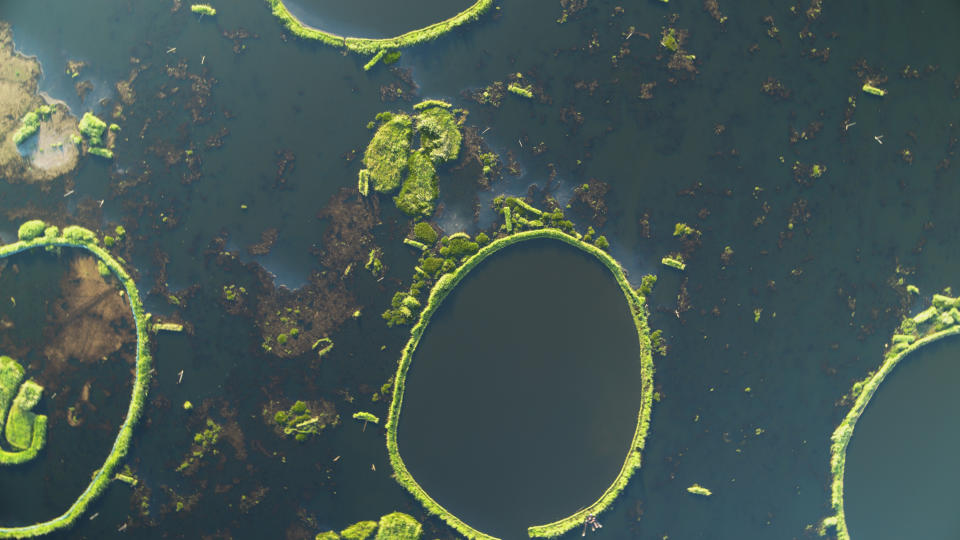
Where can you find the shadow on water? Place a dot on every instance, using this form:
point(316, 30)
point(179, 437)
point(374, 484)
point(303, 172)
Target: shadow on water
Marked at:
point(373, 18)
point(902, 475)
point(522, 398)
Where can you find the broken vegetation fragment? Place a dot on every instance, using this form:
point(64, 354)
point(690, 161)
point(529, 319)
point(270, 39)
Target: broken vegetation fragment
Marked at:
point(203, 9)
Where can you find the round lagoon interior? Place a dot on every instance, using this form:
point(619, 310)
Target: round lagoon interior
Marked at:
point(522, 397)
point(901, 473)
point(373, 18)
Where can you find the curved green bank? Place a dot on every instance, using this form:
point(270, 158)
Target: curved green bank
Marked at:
point(370, 46)
point(443, 287)
point(36, 234)
point(940, 320)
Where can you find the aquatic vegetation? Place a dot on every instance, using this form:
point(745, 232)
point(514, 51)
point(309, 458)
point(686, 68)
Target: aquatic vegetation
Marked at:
point(24, 430)
point(871, 89)
point(303, 420)
point(203, 9)
point(367, 46)
point(674, 260)
point(388, 158)
point(366, 417)
point(398, 526)
point(940, 320)
point(424, 233)
point(92, 128)
point(418, 195)
point(30, 123)
point(460, 245)
point(101, 152)
point(387, 154)
point(203, 443)
point(697, 489)
point(393, 526)
point(522, 91)
point(439, 133)
point(359, 531)
point(78, 237)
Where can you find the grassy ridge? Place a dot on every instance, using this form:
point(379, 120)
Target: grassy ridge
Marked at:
point(368, 46)
point(940, 320)
point(441, 289)
point(78, 237)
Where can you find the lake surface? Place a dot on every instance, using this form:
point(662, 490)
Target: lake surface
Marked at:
point(523, 394)
point(821, 258)
point(902, 473)
point(373, 18)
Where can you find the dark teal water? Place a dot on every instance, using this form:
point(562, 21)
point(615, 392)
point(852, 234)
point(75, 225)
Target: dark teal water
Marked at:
point(522, 397)
point(901, 462)
point(869, 221)
point(373, 18)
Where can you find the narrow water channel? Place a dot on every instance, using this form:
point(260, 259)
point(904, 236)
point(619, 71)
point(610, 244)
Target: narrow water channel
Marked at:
point(522, 398)
point(902, 475)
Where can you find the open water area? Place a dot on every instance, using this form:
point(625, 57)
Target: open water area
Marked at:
point(236, 166)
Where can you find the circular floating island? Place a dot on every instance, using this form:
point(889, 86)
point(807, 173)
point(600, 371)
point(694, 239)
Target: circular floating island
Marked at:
point(373, 46)
point(529, 400)
point(26, 430)
point(891, 431)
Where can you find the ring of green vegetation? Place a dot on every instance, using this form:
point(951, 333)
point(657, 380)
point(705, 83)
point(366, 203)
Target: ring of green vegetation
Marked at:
point(441, 289)
point(940, 320)
point(371, 46)
point(36, 234)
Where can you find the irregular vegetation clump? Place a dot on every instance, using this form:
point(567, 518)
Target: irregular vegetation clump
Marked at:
point(302, 420)
point(391, 161)
point(940, 320)
point(25, 431)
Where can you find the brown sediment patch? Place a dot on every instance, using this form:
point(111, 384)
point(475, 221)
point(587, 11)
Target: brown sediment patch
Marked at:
point(267, 239)
point(90, 320)
point(590, 200)
point(18, 96)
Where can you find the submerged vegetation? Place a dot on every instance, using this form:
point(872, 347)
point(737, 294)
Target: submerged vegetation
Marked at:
point(37, 234)
point(390, 162)
point(940, 320)
point(367, 46)
point(445, 265)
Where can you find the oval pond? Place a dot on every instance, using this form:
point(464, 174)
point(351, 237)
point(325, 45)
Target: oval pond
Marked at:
point(522, 397)
point(373, 18)
point(901, 472)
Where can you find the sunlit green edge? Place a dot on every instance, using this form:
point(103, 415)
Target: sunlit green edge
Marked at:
point(443, 287)
point(369, 46)
point(844, 432)
point(140, 385)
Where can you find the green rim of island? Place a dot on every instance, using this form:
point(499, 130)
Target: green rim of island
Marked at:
point(444, 285)
point(378, 46)
point(37, 234)
point(940, 320)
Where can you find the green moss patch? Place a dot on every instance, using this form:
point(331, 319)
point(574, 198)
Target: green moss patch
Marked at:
point(390, 162)
point(418, 196)
point(24, 430)
point(940, 320)
point(78, 237)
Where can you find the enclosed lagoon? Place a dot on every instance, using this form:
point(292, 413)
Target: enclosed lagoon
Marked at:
point(902, 475)
point(522, 398)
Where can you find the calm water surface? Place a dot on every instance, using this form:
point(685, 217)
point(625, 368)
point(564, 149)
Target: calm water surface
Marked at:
point(522, 397)
point(902, 471)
